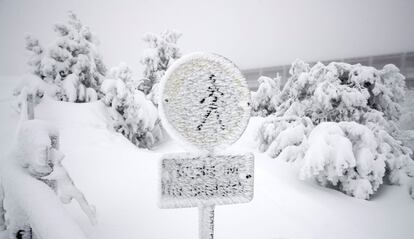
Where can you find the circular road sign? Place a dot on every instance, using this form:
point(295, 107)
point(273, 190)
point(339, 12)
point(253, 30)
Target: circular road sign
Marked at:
point(204, 101)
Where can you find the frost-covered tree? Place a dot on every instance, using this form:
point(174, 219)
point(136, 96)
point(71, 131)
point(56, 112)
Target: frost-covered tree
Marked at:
point(160, 53)
point(265, 99)
point(135, 116)
point(361, 144)
point(36, 53)
point(72, 63)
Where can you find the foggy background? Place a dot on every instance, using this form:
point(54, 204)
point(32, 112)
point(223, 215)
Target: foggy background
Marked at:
point(253, 34)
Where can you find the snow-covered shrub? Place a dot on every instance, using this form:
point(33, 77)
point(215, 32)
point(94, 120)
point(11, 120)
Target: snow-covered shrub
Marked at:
point(135, 116)
point(365, 102)
point(160, 53)
point(284, 137)
point(342, 91)
point(399, 162)
point(72, 63)
point(265, 99)
point(347, 155)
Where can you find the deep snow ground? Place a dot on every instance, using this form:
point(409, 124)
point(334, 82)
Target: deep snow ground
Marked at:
point(122, 182)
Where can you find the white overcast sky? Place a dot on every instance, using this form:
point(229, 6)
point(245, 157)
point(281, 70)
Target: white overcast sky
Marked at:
point(254, 33)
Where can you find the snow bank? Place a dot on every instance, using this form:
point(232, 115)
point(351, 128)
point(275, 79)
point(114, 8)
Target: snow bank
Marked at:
point(93, 114)
point(124, 187)
point(123, 183)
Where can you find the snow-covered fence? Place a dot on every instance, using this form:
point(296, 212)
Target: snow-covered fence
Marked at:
point(30, 106)
point(26, 103)
point(35, 208)
point(31, 178)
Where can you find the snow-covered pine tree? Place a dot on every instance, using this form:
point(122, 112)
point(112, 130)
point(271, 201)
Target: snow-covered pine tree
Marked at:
point(362, 107)
point(160, 53)
point(36, 54)
point(134, 116)
point(72, 63)
point(265, 99)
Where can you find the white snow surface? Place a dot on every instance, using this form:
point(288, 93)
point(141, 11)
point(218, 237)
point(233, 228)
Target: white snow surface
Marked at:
point(122, 181)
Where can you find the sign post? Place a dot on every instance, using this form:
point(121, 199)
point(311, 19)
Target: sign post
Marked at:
point(206, 221)
point(205, 104)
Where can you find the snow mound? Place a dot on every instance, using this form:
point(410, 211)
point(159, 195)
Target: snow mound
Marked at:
point(122, 182)
point(93, 114)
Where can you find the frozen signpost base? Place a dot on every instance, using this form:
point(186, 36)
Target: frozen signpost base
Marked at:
point(205, 103)
point(206, 221)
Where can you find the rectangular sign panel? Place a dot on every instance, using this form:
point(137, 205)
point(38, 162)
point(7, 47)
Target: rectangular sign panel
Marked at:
point(189, 180)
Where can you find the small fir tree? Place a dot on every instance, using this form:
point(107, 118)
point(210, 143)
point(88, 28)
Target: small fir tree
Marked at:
point(72, 63)
point(134, 116)
point(161, 52)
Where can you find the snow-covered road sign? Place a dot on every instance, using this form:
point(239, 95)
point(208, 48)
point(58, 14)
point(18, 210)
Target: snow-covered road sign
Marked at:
point(205, 102)
point(189, 179)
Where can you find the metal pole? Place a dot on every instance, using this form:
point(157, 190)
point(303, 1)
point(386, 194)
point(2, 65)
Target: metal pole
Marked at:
point(206, 221)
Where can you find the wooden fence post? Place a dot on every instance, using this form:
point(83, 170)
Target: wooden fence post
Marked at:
point(30, 106)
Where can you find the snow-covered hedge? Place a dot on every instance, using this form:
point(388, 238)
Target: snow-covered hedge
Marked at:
point(360, 144)
point(71, 69)
point(134, 115)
